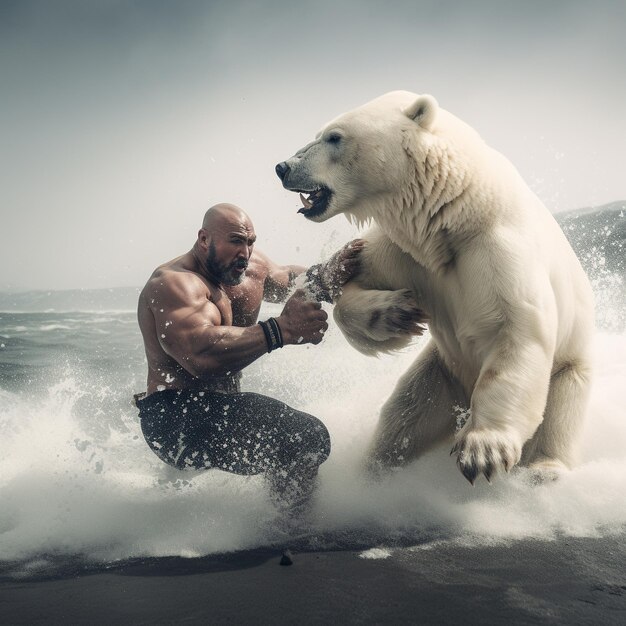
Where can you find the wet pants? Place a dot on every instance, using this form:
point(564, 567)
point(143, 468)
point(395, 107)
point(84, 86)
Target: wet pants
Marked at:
point(243, 433)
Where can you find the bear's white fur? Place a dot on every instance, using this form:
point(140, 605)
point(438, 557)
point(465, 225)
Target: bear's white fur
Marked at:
point(510, 309)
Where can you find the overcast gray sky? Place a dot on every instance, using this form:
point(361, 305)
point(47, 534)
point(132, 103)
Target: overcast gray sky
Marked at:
point(122, 121)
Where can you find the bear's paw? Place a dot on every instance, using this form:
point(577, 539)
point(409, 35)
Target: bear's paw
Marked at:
point(395, 313)
point(485, 451)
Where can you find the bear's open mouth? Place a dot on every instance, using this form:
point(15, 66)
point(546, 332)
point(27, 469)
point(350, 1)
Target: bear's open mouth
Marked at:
point(316, 202)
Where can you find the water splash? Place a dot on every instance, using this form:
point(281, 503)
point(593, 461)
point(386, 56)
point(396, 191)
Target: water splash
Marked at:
point(78, 482)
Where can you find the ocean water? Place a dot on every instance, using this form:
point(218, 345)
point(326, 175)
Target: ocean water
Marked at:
point(78, 482)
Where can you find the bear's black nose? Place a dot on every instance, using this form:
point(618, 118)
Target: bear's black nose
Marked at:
point(281, 170)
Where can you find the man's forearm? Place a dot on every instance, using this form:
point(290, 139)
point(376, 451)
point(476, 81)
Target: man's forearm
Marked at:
point(225, 350)
point(315, 282)
point(316, 285)
point(325, 280)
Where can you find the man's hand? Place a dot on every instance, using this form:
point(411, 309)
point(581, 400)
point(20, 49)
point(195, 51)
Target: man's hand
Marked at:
point(326, 280)
point(302, 320)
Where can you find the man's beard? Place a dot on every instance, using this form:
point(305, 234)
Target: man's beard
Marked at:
point(225, 274)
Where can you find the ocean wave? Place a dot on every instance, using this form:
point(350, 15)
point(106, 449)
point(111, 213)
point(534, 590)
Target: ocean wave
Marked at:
point(76, 477)
point(127, 318)
point(50, 327)
point(70, 311)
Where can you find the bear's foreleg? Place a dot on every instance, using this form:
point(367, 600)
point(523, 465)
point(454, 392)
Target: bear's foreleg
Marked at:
point(420, 413)
point(374, 320)
point(507, 405)
point(553, 446)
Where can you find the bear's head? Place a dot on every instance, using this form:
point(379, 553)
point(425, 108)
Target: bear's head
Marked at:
point(363, 157)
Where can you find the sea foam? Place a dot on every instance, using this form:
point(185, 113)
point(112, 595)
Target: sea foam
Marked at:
point(77, 479)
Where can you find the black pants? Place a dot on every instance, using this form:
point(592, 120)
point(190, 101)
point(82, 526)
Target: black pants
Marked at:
point(243, 433)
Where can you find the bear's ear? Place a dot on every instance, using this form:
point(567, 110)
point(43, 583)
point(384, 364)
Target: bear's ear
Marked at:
point(423, 111)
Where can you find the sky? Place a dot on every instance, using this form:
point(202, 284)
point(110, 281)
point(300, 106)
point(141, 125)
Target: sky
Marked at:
point(122, 121)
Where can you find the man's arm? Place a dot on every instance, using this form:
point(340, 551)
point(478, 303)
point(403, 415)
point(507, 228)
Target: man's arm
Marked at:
point(323, 280)
point(189, 327)
point(279, 280)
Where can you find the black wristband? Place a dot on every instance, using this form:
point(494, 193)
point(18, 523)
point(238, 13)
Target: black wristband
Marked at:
point(276, 328)
point(273, 334)
point(315, 286)
point(268, 337)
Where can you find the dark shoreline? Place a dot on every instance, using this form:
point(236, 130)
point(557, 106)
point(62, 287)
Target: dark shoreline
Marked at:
point(565, 581)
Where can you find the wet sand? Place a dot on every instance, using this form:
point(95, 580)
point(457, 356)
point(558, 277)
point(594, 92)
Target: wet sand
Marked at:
point(566, 581)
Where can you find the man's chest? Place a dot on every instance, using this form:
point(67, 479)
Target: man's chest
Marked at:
point(246, 299)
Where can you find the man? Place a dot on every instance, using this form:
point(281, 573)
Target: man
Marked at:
point(198, 317)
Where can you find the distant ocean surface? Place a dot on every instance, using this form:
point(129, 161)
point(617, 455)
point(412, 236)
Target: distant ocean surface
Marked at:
point(78, 481)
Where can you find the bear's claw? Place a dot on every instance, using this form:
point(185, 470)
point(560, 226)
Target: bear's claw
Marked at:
point(470, 471)
point(396, 313)
point(484, 452)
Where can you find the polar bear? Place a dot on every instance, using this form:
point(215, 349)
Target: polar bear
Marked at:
point(460, 241)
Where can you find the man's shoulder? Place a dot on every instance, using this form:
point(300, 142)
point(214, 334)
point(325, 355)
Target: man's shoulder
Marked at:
point(173, 282)
point(260, 263)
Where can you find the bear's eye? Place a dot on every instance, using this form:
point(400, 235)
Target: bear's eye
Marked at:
point(334, 138)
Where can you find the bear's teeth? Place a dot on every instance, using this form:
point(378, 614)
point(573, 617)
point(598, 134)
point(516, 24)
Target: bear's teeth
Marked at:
point(306, 202)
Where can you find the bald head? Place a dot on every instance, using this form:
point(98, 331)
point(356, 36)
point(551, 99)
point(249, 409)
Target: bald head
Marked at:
point(221, 214)
point(225, 243)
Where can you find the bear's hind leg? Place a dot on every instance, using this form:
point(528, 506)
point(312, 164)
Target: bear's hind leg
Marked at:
point(552, 449)
point(419, 414)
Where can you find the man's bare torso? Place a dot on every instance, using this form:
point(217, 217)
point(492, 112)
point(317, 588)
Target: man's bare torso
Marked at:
point(238, 305)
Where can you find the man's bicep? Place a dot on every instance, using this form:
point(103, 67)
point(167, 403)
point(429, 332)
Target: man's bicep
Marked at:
point(181, 316)
point(177, 329)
